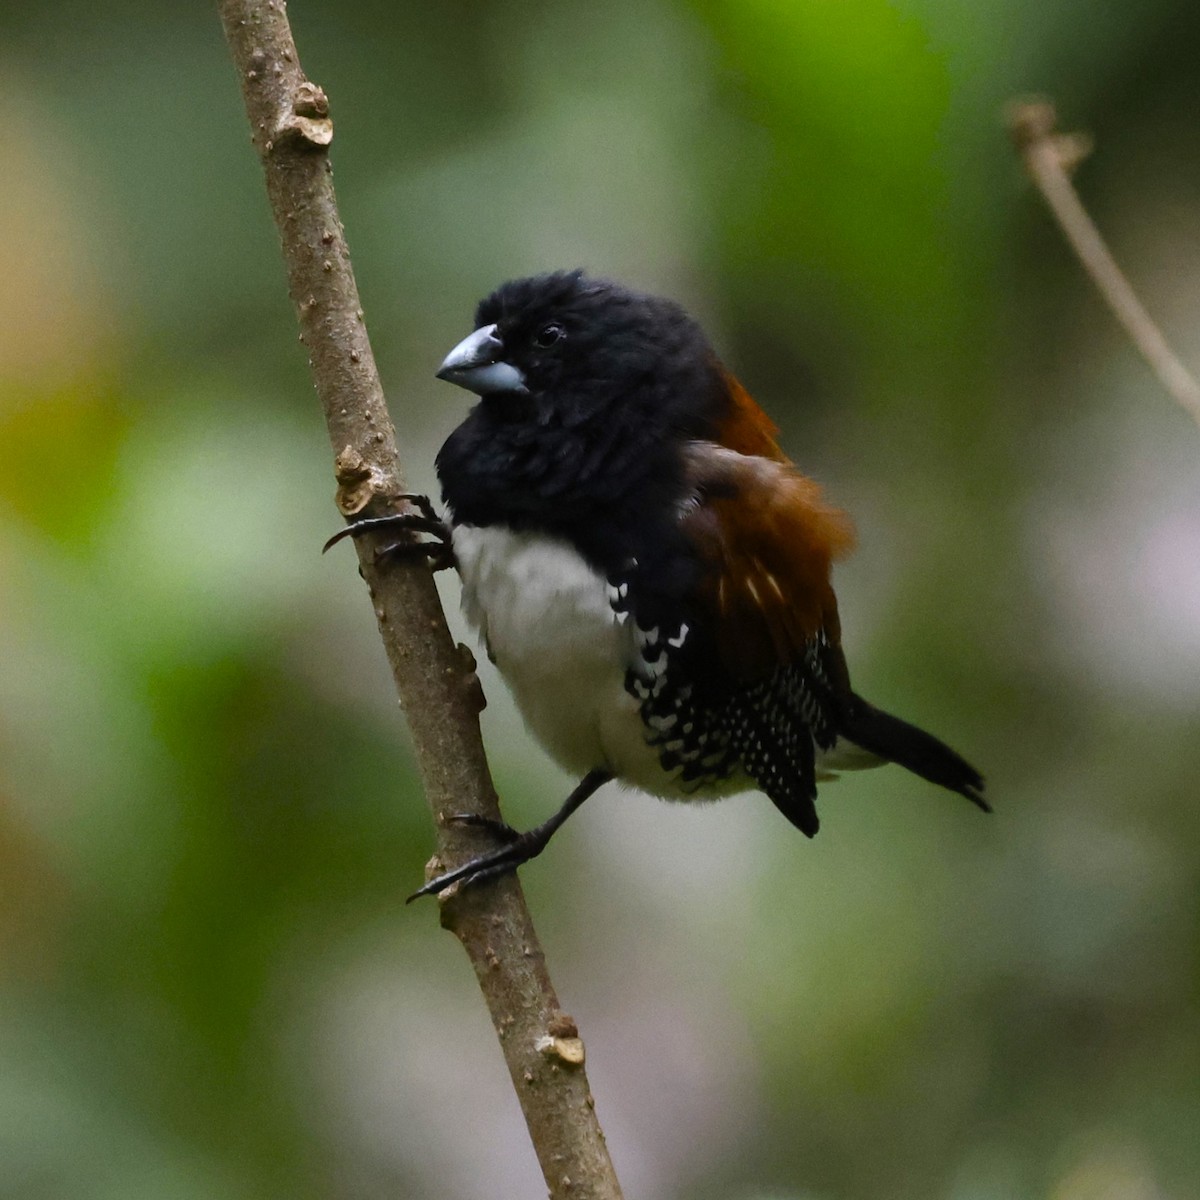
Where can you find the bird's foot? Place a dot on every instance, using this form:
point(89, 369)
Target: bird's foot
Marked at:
point(518, 848)
point(439, 553)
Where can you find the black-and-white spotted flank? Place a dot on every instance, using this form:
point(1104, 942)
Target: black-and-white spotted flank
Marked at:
point(691, 745)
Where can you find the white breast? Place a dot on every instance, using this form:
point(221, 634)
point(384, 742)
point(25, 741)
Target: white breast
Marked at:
point(545, 617)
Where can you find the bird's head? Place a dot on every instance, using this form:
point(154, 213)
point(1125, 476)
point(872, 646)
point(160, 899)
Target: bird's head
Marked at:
point(576, 347)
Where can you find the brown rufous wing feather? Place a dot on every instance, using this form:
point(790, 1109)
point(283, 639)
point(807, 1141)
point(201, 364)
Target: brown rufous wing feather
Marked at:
point(768, 542)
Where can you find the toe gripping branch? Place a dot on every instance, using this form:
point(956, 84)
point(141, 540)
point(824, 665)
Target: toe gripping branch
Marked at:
point(514, 848)
point(439, 553)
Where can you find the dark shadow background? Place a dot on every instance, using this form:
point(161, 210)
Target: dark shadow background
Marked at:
point(208, 815)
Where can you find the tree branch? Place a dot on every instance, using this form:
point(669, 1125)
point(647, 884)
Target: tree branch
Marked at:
point(291, 129)
point(1049, 156)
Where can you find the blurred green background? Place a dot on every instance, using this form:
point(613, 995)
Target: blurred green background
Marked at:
point(209, 987)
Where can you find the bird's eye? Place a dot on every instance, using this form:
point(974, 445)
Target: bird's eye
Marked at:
point(548, 335)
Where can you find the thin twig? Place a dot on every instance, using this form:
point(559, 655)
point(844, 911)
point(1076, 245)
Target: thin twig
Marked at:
point(291, 129)
point(1049, 157)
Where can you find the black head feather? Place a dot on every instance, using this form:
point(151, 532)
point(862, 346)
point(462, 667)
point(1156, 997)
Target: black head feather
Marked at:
point(615, 382)
point(588, 344)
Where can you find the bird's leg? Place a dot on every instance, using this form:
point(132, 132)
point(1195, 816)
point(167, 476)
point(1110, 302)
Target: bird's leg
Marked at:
point(439, 553)
point(518, 848)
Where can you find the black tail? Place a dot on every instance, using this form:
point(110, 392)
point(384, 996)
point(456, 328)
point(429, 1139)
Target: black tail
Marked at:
point(914, 749)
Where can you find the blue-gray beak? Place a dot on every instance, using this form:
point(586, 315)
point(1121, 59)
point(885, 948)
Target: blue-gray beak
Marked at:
point(477, 364)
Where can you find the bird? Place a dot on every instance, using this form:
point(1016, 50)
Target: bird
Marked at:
point(648, 570)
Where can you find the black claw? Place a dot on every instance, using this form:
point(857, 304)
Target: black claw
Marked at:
point(422, 504)
point(500, 829)
point(439, 556)
point(977, 798)
point(413, 522)
point(439, 553)
point(492, 865)
point(485, 866)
